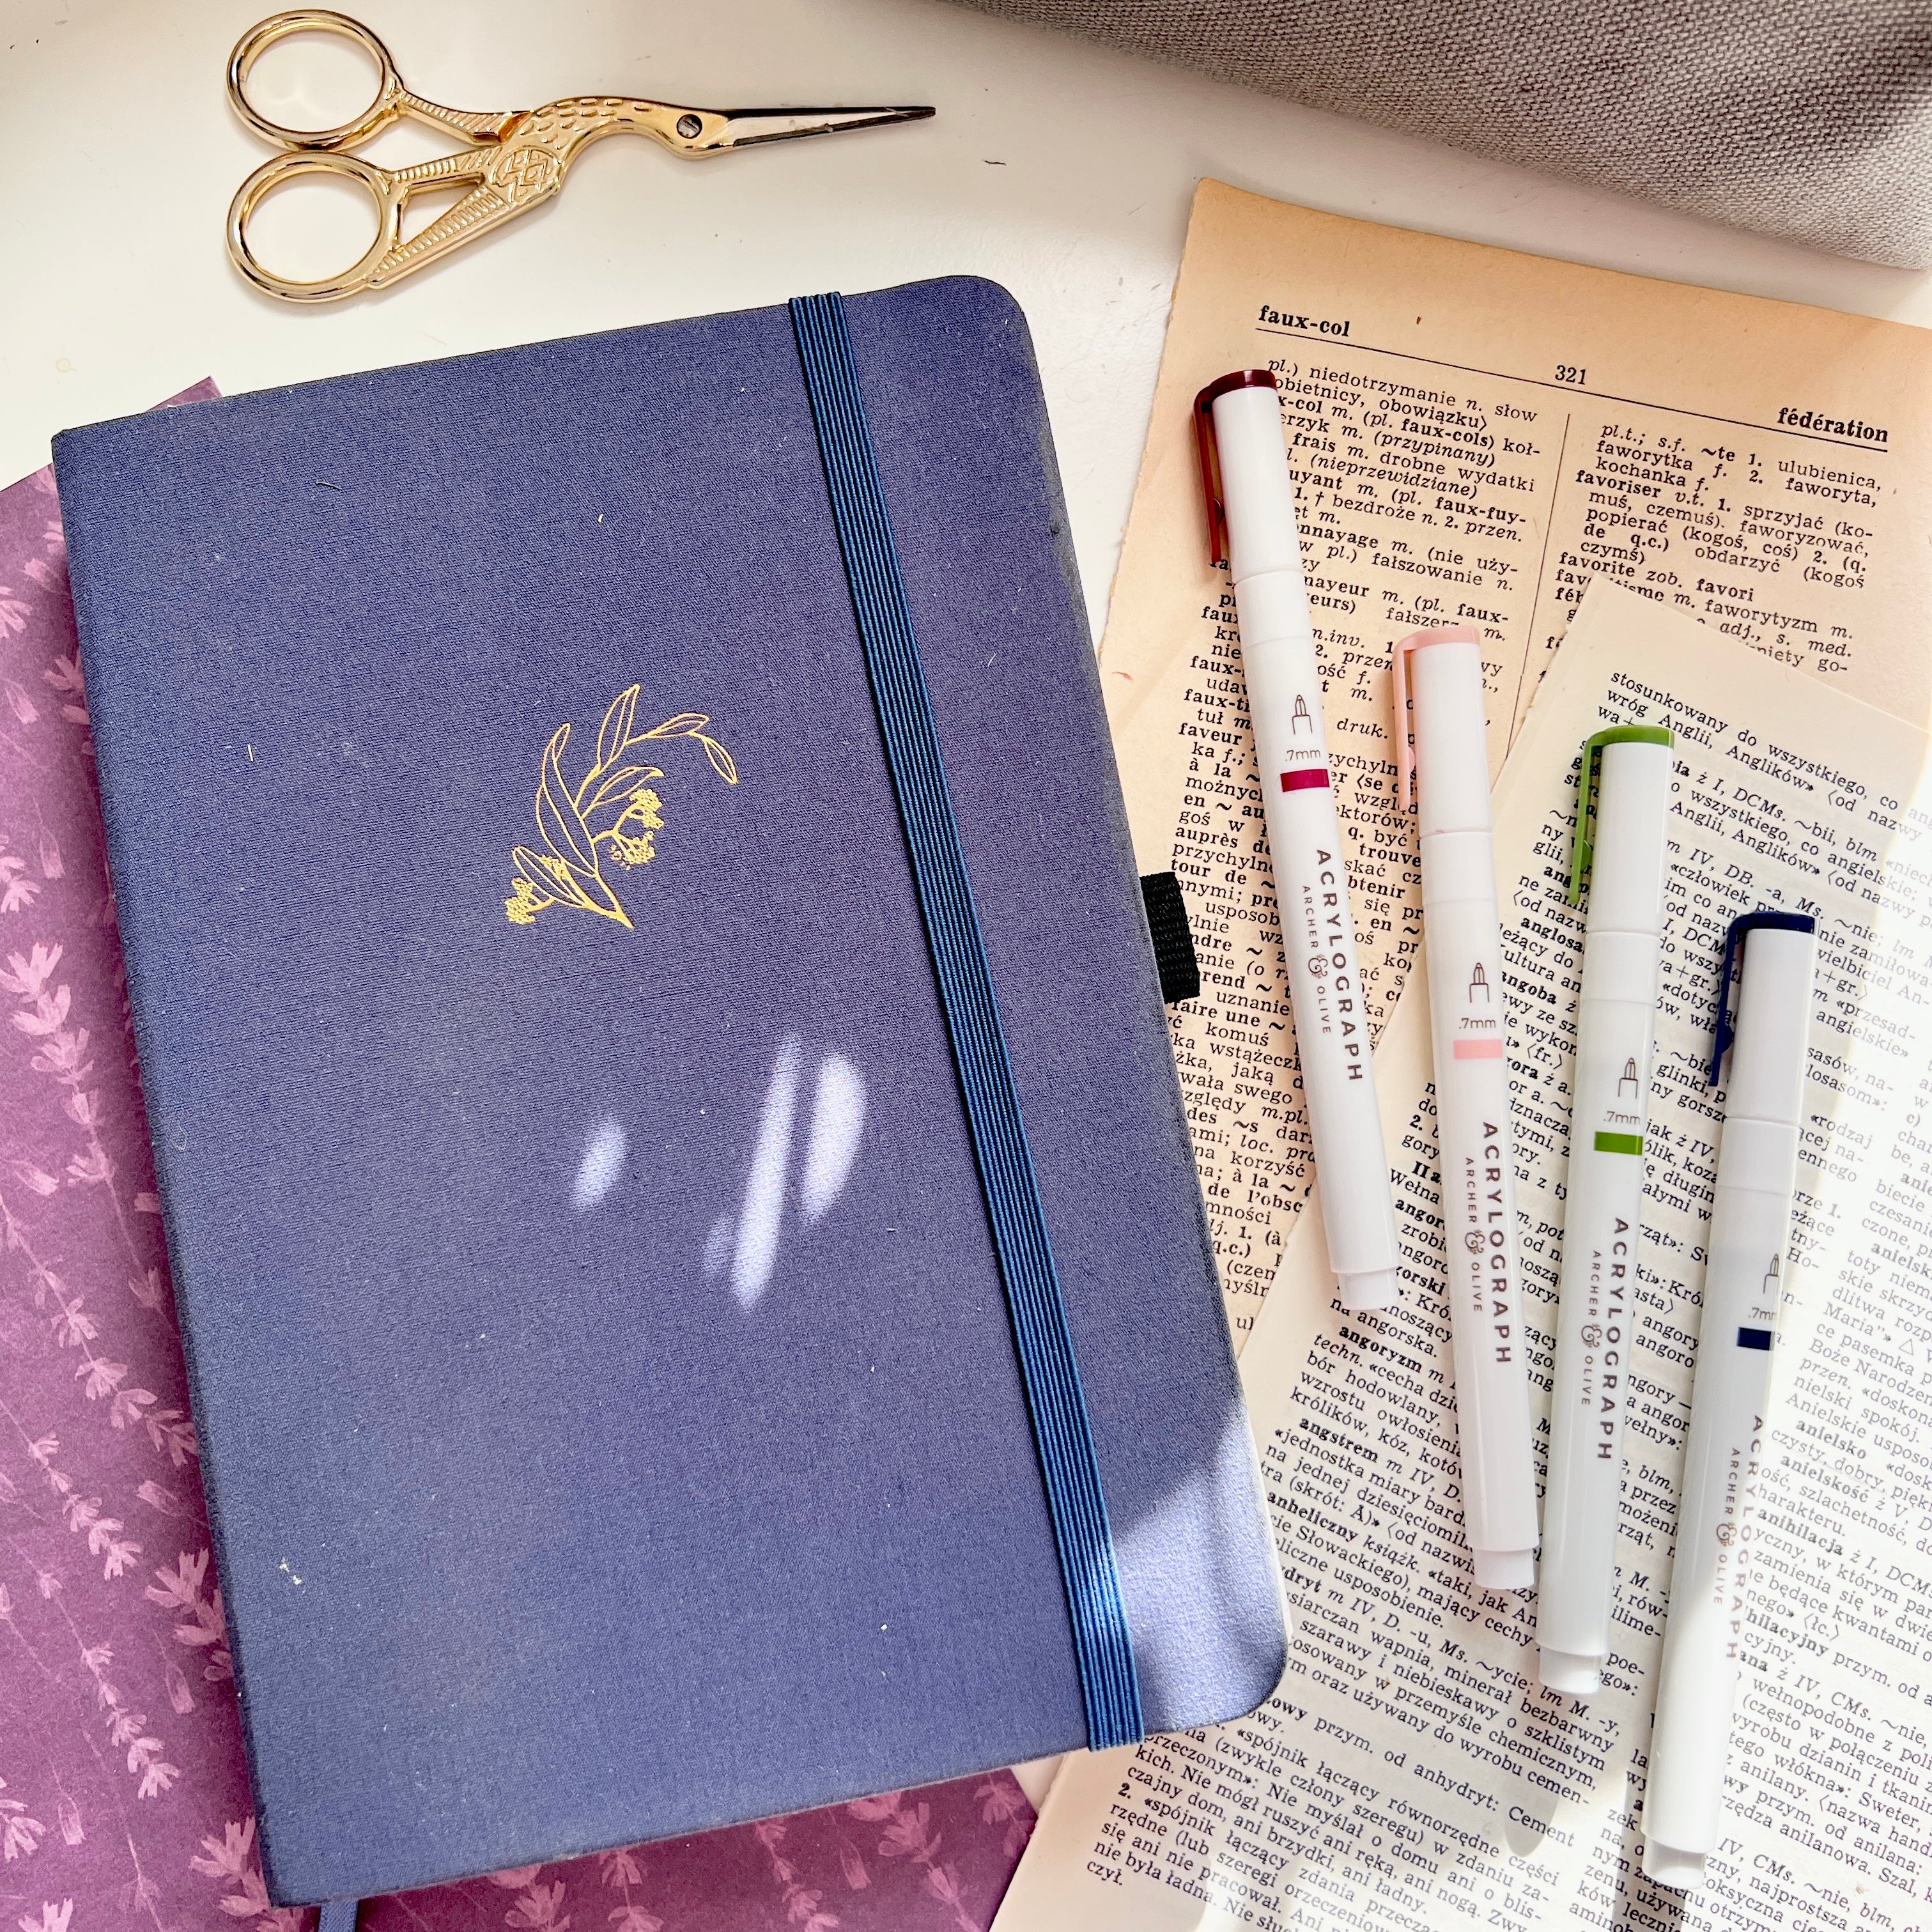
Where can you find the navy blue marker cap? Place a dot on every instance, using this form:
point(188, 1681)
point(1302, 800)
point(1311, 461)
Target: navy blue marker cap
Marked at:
point(1750, 921)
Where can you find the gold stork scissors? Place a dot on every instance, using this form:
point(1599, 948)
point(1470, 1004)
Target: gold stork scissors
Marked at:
point(514, 160)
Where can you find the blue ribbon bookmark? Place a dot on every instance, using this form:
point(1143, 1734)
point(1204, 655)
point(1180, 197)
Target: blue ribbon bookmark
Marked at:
point(1061, 1428)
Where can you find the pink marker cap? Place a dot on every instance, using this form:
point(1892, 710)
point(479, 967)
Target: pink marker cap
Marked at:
point(1405, 744)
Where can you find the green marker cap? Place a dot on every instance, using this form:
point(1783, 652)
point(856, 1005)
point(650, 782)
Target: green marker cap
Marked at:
point(1582, 849)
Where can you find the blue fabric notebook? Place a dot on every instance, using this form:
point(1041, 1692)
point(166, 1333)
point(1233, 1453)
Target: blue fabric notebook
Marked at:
point(610, 1403)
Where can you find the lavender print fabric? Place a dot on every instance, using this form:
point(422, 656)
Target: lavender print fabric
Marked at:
point(124, 1792)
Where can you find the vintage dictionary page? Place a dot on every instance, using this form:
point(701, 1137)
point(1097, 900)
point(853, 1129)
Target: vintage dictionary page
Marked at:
point(1410, 1772)
point(1476, 435)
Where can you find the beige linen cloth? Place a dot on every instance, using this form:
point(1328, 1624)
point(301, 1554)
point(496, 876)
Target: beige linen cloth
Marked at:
point(1808, 119)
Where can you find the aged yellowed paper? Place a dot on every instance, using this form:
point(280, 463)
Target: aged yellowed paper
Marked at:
point(1476, 436)
point(1411, 1772)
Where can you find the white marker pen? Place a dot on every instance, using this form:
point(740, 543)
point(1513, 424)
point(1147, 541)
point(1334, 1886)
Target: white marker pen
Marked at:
point(1474, 1147)
point(1251, 522)
point(1750, 1215)
point(1609, 1110)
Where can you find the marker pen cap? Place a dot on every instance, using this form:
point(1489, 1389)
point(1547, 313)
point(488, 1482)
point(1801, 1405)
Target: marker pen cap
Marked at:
point(1773, 1024)
point(1574, 1676)
point(1257, 490)
point(1621, 968)
point(1681, 1870)
point(1443, 670)
point(1505, 1569)
point(1458, 869)
point(1361, 1292)
point(1274, 609)
point(1620, 820)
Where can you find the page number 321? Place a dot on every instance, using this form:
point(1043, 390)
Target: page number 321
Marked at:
point(1568, 372)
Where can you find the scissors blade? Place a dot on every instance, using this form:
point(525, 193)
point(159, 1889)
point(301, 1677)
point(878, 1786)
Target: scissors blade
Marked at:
point(747, 127)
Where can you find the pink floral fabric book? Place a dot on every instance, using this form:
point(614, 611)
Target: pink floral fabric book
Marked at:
point(124, 1789)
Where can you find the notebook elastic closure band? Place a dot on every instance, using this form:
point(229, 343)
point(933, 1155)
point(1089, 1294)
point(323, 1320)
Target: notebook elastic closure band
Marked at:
point(1048, 1367)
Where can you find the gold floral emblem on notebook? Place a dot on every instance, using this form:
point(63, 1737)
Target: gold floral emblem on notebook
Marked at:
point(611, 815)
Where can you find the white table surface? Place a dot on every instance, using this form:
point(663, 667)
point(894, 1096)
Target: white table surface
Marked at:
point(1061, 169)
